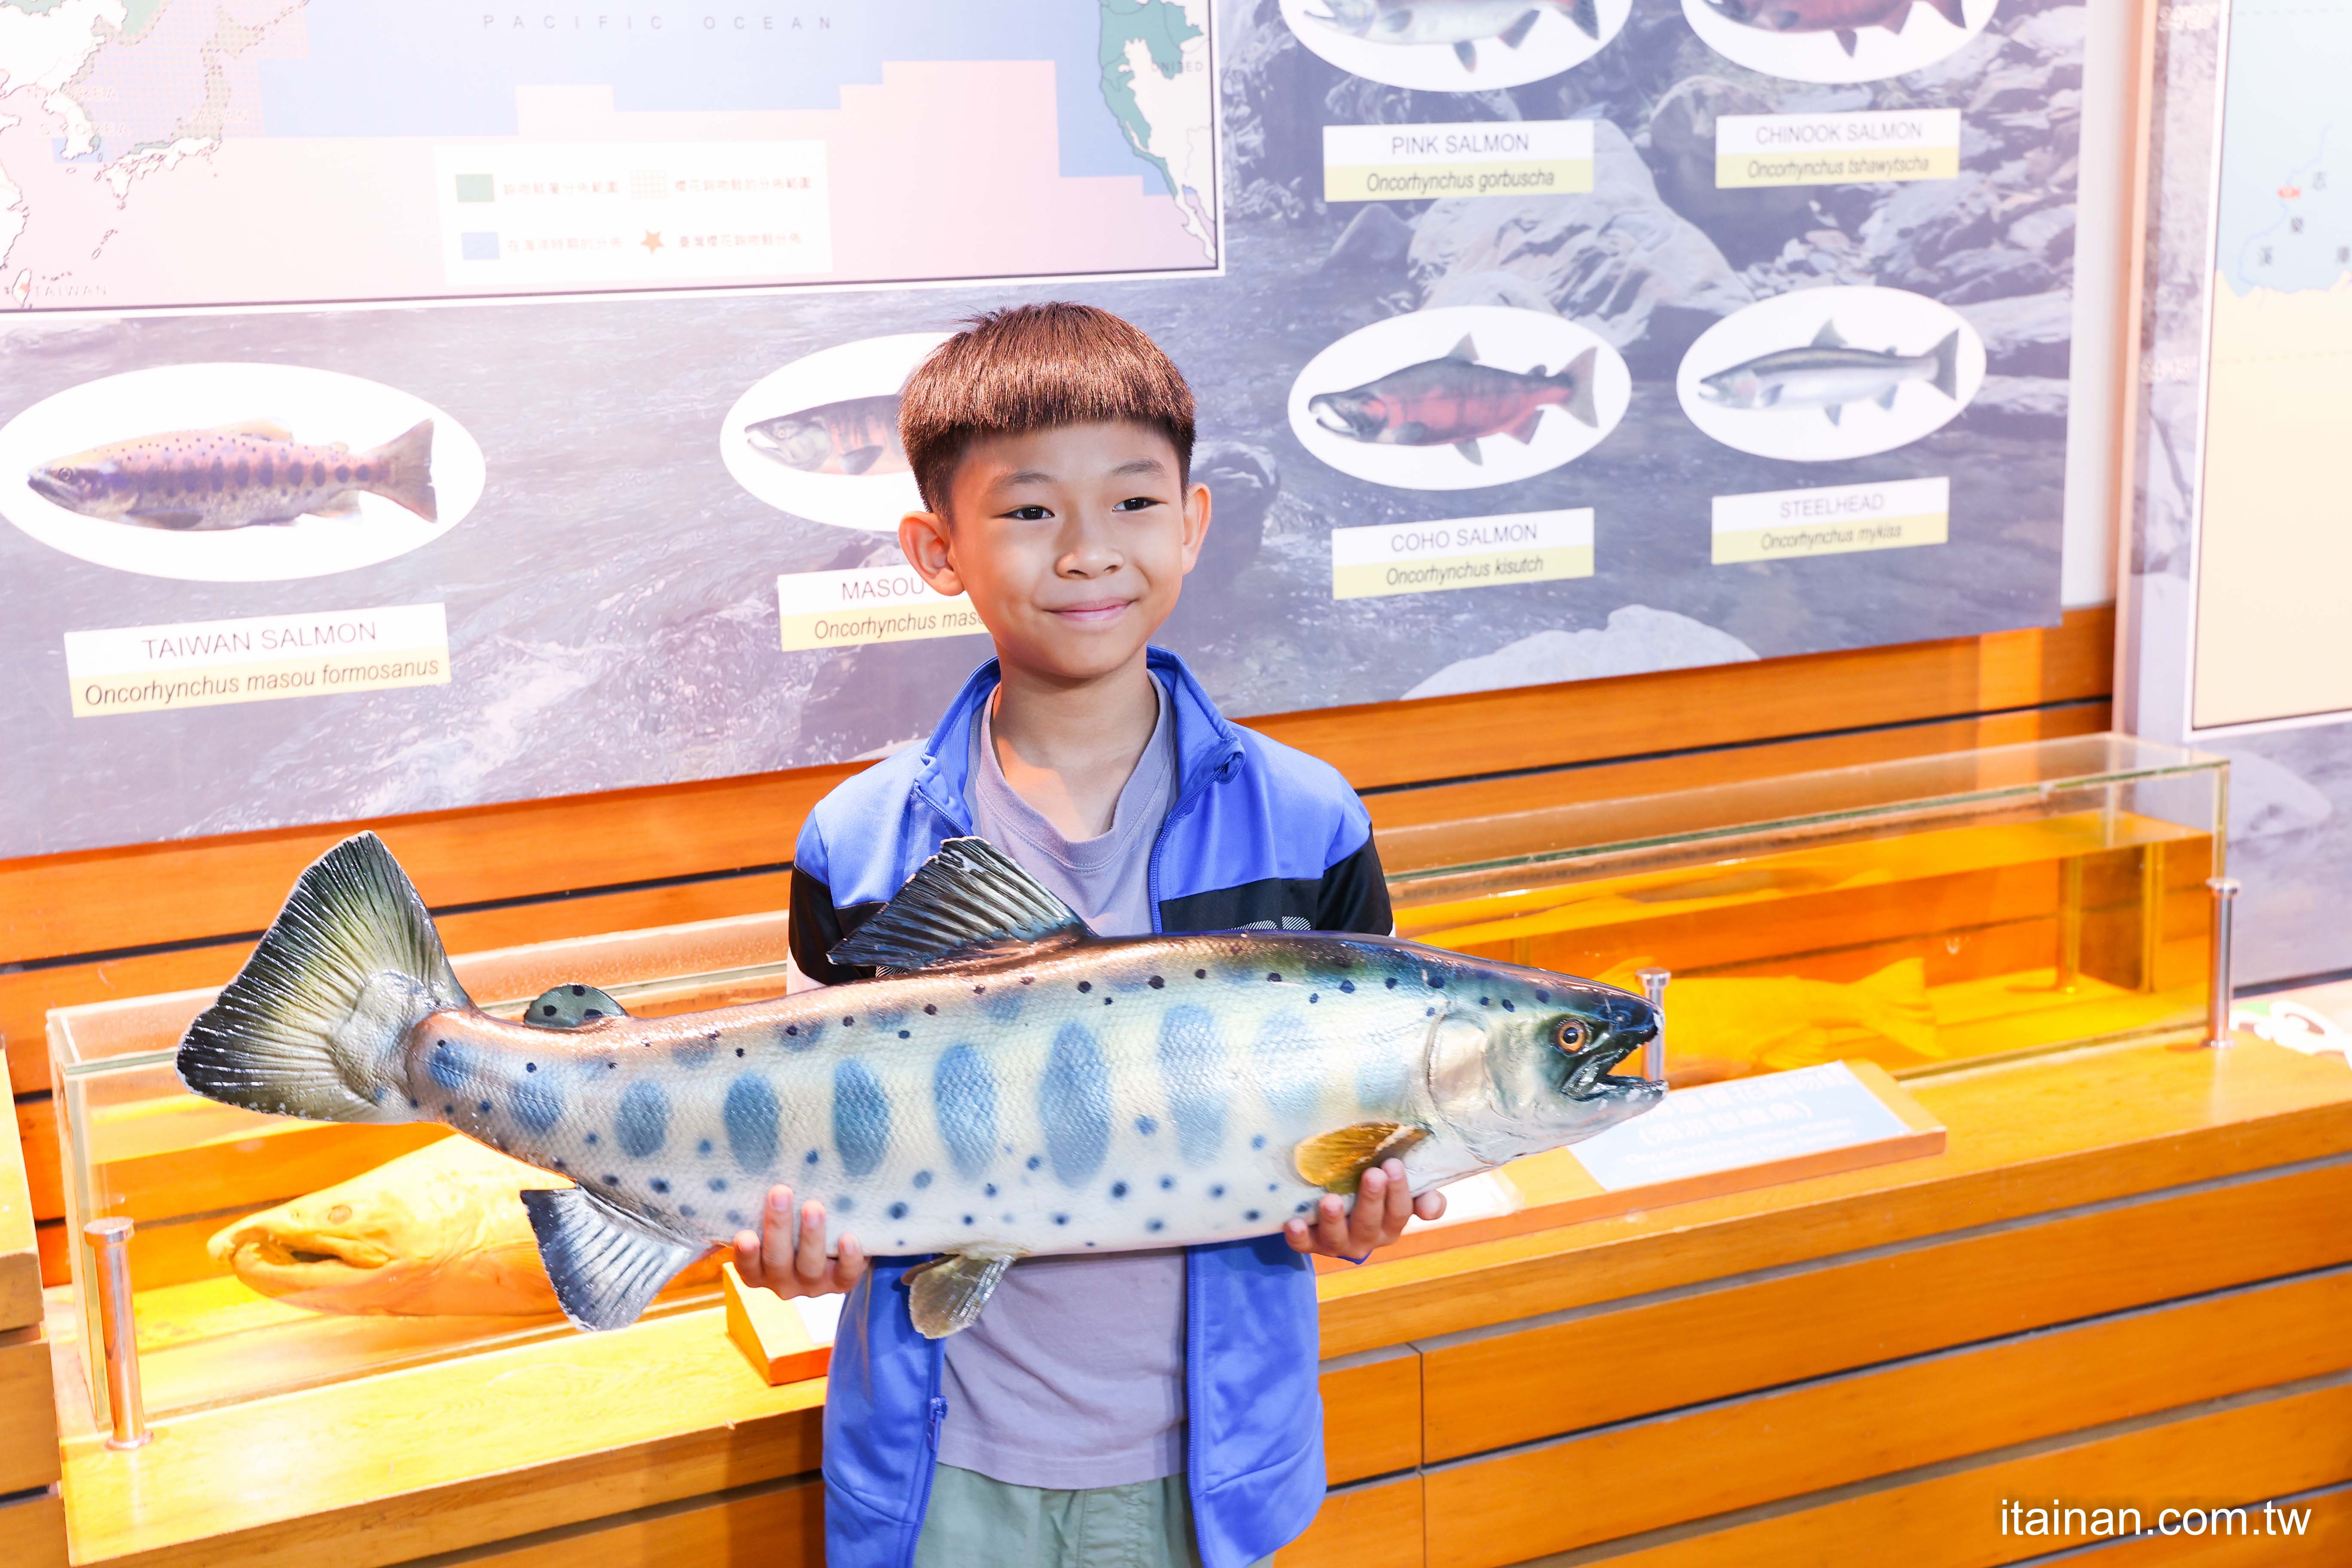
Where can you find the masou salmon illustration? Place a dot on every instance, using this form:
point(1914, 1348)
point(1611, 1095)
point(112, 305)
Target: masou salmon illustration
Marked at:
point(855, 435)
point(1455, 401)
point(239, 476)
point(1846, 18)
point(1009, 1084)
point(1465, 24)
point(1827, 375)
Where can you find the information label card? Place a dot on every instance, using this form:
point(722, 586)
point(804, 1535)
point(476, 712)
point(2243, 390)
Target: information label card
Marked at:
point(201, 664)
point(1837, 148)
point(1748, 1122)
point(1460, 553)
point(1772, 525)
point(1487, 158)
point(872, 603)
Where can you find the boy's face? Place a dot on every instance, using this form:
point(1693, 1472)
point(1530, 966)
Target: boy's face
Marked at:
point(1072, 543)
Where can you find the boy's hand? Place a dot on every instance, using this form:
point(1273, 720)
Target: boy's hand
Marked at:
point(770, 1258)
point(1384, 1201)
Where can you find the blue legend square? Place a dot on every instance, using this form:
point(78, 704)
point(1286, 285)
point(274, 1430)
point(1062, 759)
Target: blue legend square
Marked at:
point(479, 246)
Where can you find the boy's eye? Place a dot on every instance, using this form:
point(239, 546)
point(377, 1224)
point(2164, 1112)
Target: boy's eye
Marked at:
point(1029, 513)
point(1135, 503)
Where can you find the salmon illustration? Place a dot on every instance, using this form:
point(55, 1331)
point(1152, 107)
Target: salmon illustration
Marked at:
point(1465, 24)
point(855, 435)
point(1455, 401)
point(1846, 18)
point(1827, 375)
point(239, 476)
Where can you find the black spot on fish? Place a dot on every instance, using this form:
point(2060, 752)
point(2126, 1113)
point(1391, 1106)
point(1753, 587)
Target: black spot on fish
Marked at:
point(484, 1107)
point(846, 1022)
point(686, 1211)
point(734, 1216)
point(967, 1220)
point(1258, 1141)
point(861, 1117)
point(580, 991)
point(1302, 1208)
point(1061, 1219)
point(897, 1211)
point(1155, 982)
point(1506, 1006)
point(1314, 995)
point(592, 1138)
point(1249, 1213)
point(643, 1123)
point(1218, 1191)
point(750, 1114)
point(530, 1067)
point(718, 1183)
point(1542, 995)
point(1483, 1003)
point(902, 1033)
point(703, 1147)
point(1347, 985)
point(1200, 974)
point(448, 1064)
point(1437, 983)
point(1274, 977)
point(1118, 1189)
point(738, 1050)
point(810, 1158)
point(1036, 1161)
point(1167, 1183)
point(660, 1185)
point(556, 1164)
point(845, 1203)
point(989, 1191)
point(1155, 1224)
point(1391, 983)
point(611, 1181)
point(922, 1180)
point(1028, 980)
point(794, 1028)
point(548, 1010)
point(1085, 986)
point(929, 1009)
point(1145, 1125)
point(963, 1103)
point(1429, 1011)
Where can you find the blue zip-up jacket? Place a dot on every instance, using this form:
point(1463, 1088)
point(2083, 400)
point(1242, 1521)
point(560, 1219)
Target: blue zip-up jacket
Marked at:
point(1259, 834)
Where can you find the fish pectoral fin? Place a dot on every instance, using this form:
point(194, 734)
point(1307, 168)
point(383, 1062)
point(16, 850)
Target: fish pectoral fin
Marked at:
point(1886, 398)
point(267, 429)
point(572, 1007)
point(344, 505)
point(606, 1265)
point(1335, 1161)
point(1847, 38)
point(172, 520)
point(1469, 450)
point(946, 1295)
point(964, 904)
point(1828, 337)
point(1465, 351)
point(1833, 410)
point(857, 459)
point(1467, 53)
point(1525, 430)
point(1512, 37)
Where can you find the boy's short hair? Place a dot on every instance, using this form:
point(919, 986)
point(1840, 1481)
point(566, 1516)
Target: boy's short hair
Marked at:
point(1037, 367)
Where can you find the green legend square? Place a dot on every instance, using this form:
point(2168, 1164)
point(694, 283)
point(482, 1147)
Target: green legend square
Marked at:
point(476, 188)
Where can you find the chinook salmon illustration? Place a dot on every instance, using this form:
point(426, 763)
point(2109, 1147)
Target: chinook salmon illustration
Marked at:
point(239, 476)
point(1827, 375)
point(855, 435)
point(1845, 18)
point(1464, 23)
point(1453, 402)
point(1009, 1084)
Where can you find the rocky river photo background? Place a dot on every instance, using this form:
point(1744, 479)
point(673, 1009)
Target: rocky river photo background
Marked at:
point(611, 603)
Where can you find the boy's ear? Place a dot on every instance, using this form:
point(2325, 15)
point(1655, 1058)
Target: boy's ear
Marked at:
point(1196, 522)
point(923, 541)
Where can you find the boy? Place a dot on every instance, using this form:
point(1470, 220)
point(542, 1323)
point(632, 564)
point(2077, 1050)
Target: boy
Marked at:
point(1139, 1408)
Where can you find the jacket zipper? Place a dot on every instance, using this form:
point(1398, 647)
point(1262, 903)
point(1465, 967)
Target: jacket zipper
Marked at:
point(935, 1412)
point(1159, 840)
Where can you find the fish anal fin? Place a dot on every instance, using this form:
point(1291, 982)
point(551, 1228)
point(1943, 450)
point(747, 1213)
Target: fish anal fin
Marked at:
point(965, 904)
point(265, 429)
point(605, 1264)
point(1834, 411)
point(571, 1006)
point(1886, 398)
point(1894, 24)
point(1828, 337)
point(1467, 53)
point(1525, 430)
point(1335, 1161)
point(1512, 37)
point(947, 1294)
point(344, 505)
point(1847, 38)
point(176, 520)
point(1465, 351)
point(1469, 450)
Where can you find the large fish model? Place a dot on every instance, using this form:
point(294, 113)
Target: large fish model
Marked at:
point(1453, 402)
point(1827, 375)
point(237, 477)
point(1844, 18)
point(1465, 24)
point(855, 435)
point(1008, 1085)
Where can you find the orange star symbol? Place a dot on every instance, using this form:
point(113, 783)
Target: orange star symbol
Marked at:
point(652, 242)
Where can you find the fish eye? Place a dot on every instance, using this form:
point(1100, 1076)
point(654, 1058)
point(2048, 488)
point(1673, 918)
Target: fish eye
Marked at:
point(1572, 1035)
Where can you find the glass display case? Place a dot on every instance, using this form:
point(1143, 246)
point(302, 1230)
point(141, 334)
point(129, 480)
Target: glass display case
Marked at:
point(185, 1170)
point(1913, 913)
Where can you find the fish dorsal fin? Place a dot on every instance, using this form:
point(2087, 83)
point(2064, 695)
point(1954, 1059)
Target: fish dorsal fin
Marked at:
point(1335, 1161)
point(966, 902)
point(946, 1295)
point(267, 429)
point(1465, 351)
point(606, 1264)
point(1827, 338)
point(572, 1007)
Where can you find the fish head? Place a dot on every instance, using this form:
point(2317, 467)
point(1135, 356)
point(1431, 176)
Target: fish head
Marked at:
point(1355, 16)
point(334, 1244)
point(1737, 387)
point(90, 483)
point(1527, 1067)
point(1359, 415)
point(796, 440)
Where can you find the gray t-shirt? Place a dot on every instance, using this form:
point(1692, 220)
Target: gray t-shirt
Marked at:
point(1074, 1376)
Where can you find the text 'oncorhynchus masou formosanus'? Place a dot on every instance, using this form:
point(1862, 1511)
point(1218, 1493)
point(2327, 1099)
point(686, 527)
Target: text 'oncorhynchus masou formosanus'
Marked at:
point(1009, 1084)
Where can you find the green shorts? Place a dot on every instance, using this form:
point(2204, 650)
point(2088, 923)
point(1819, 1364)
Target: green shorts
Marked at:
point(977, 1523)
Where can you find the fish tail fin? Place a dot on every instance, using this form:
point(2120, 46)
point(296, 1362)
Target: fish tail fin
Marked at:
point(316, 1024)
point(408, 471)
point(1947, 365)
point(1894, 1003)
point(1577, 379)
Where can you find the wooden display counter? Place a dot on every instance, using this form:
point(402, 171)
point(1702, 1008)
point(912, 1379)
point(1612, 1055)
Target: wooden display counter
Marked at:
point(2123, 1283)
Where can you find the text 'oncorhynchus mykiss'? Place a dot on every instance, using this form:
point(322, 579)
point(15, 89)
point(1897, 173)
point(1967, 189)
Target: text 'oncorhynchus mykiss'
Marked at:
point(1844, 18)
point(1465, 24)
point(236, 476)
point(1009, 1084)
point(1455, 401)
point(1827, 375)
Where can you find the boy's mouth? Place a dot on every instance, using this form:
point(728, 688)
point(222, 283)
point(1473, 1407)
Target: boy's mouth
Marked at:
point(1092, 612)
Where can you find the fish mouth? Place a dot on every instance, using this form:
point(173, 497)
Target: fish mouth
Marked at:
point(1589, 1078)
point(1340, 419)
point(299, 1258)
point(52, 489)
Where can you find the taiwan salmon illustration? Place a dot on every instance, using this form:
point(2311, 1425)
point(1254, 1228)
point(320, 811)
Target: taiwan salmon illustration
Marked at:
point(1455, 401)
point(1008, 1085)
point(239, 476)
point(1465, 24)
point(855, 435)
point(1845, 18)
point(1827, 375)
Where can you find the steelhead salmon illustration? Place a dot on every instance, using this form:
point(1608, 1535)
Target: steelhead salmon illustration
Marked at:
point(1844, 18)
point(1465, 24)
point(855, 435)
point(1827, 375)
point(239, 476)
point(1455, 401)
point(1009, 1084)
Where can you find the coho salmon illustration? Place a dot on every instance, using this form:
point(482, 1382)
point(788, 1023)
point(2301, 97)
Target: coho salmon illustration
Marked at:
point(1827, 375)
point(1844, 18)
point(1008, 1085)
point(1453, 402)
point(1464, 23)
point(855, 435)
point(237, 476)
